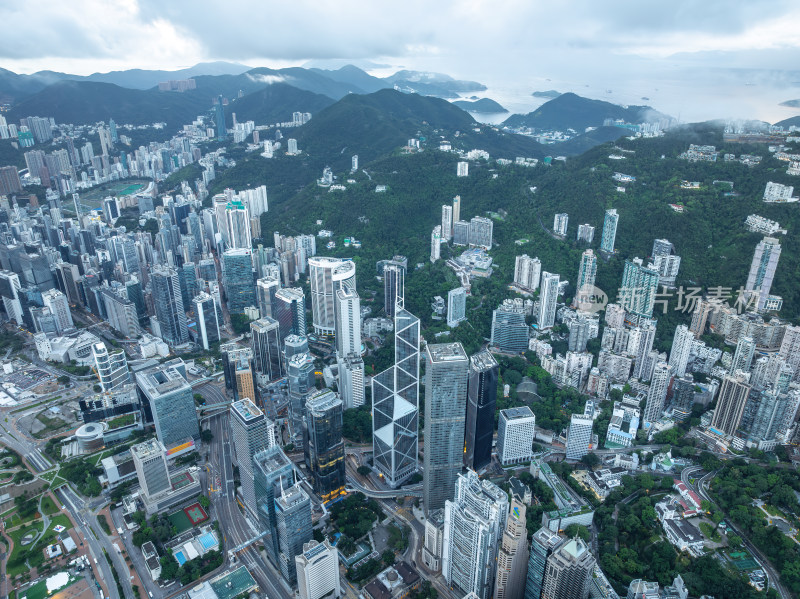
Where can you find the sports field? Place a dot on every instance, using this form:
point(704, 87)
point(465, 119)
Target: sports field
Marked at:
point(195, 513)
point(93, 198)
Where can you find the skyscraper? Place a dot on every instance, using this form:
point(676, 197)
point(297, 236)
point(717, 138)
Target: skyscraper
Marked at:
point(300, 374)
point(569, 571)
point(150, 462)
point(762, 269)
point(481, 405)
point(527, 272)
point(516, 429)
point(395, 404)
point(731, 401)
point(560, 222)
point(587, 271)
point(205, 310)
point(609, 231)
point(681, 347)
point(290, 311)
point(509, 330)
point(456, 209)
point(473, 524)
point(743, 357)
point(548, 297)
point(456, 306)
point(112, 367)
point(272, 471)
point(324, 447)
point(666, 262)
point(348, 322)
point(318, 567)
point(168, 302)
point(579, 436)
point(267, 349)
point(293, 514)
point(447, 222)
point(237, 268)
point(543, 544)
point(172, 404)
point(445, 410)
point(512, 559)
point(58, 305)
point(639, 287)
point(266, 288)
point(252, 432)
point(326, 276)
point(219, 118)
point(659, 383)
point(436, 242)
point(394, 275)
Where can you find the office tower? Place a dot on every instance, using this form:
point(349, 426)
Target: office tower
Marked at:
point(516, 428)
point(111, 367)
point(731, 400)
point(219, 118)
point(579, 436)
point(447, 222)
point(702, 310)
point(578, 333)
point(637, 293)
point(150, 461)
point(237, 267)
point(252, 432)
point(172, 404)
point(348, 322)
point(512, 559)
point(205, 311)
point(323, 444)
point(509, 331)
point(682, 397)
point(436, 242)
point(300, 373)
point(762, 270)
point(585, 233)
point(245, 386)
point(543, 544)
point(267, 348)
point(351, 380)
point(527, 272)
point(587, 271)
point(569, 571)
point(120, 311)
point(168, 303)
point(462, 169)
point(327, 276)
point(481, 404)
point(395, 404)
point(609, 231)
point(659, 383)
point(290, 311)
point(460, 232)
point(548, 296)
point(272, 471)
point(58, 305)
point(473, 524)
point(456, 306)
point(480, 232)
point(560, 223)
point(642, 589)
point(293, 514)
point(681, 347)
point(446, 374)
point(394, 275)
point(266, 288)
point(235, 226)
point(743, 357)
point(318, 568)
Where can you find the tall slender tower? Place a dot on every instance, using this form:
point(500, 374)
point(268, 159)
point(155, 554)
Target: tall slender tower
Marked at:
point(657, 393)
point(512, 559)
point(609, 231)
point(730, 403)
point(681, 346)
point(445, 410)
point(481, 405)
point(587, 271)
point(762, 269)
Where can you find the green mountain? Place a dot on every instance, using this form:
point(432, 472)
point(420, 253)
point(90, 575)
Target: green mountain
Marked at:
point(352, 75)
point(786, 123)
point(432, 84)
point(275, 103)
point(570, 111)
point(484, 106)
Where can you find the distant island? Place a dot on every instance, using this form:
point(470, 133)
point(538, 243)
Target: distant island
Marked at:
point(550, 93)
point(484, 105)
point(791, 103)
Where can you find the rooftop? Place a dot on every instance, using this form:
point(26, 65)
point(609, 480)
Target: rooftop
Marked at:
point(483, 361)
point(147, 449)
point(447, 352)
point(247, 410)
point(517, 413)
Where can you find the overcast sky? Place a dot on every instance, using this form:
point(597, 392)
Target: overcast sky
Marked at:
point(493, 42)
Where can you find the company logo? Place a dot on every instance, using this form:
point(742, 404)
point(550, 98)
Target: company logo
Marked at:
point(590, 299)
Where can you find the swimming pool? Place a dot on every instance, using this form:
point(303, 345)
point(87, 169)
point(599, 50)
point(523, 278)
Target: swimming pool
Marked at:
point(181, 559)
point(207, 540)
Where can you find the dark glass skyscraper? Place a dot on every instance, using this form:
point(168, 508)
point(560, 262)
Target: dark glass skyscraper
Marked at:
point(324, 448)
point(267, 348)
point(481, 404)
point(219, 118)
point(169, 305)
point(239, 284)
point(289, 310)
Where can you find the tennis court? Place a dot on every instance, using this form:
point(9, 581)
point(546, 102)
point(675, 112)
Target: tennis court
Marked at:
point(180, 521)
point(195, 513)
point(743, 561)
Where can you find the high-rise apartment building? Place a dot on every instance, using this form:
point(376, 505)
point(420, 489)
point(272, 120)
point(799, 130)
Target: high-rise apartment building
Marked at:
point(112, 367)
point(456, 306)
point(516, 428)
point(681, 348)
point(219, 118)
point(481, 405)
point(436, 243)
point(560, 222)
point(150, 462)
point(460, 232)
point(762, 270)
point(327, 276)
point(548, 298)
point(446, 375)
point(702, 310)
point(252, 432)
point(656, 394)
point(579, 436)
point(456, 209)
point(609, 231)
point(585, 233)
point(480, 232)
point(447, 222)
point(569, 571)
point(395, 404)
point(318, 570)
point(168, 302)
point(351, 380)
point(743, 356)
point(289, 310)
point(323, 445)
point(637, 294)
point(172, 403)
point(512, 558)
point(587, 271)
point(473, 525)
point(462, 169)
point(527, 272)
point(348, 322)
point(731, 401)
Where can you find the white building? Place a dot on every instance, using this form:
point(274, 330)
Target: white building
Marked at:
point(456, 306)
point(586, 233)
point(318, 571)
point(579, 436)
point(681, 349)
point(58, 305)
point(527, 272)
point(348, 322)
point(150, 461)
point(326, 276)
point(462, 169)
point(447, 222)
point(560, 222)
point(436, 243)
point(351, 380)
point(548, 296)
point(659, 383)
point(515, 432)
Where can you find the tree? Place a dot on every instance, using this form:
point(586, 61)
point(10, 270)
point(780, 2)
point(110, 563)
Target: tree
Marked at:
point(364, 470)
point(63, 379)
point(578, 530)
point(734, 541)
point(590, 460)
point(204, 502)
point(388, 557)
point(206, 436)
